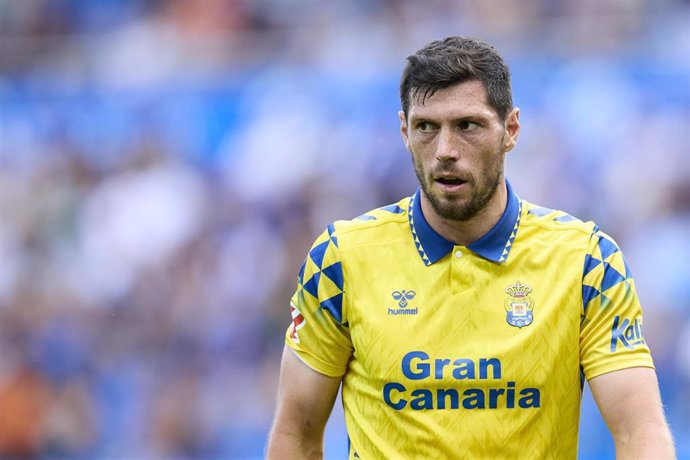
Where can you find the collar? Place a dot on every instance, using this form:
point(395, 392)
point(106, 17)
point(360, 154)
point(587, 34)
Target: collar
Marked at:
point(494, 245)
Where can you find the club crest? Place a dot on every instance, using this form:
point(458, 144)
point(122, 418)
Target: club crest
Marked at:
point(519, 305)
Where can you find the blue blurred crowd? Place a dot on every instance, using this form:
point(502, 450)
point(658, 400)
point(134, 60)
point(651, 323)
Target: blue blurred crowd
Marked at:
point(165, 165)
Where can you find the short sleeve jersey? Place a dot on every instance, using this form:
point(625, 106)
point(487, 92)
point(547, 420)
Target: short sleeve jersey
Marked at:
point(477, 351)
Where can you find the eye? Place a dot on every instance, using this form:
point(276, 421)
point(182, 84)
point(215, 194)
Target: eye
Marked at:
point(466, 125)
point(425, 126)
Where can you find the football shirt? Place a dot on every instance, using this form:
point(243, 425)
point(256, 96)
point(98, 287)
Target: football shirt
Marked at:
point(481, 351)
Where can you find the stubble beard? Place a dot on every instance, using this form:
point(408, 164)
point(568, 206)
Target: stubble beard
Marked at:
point(481, 195)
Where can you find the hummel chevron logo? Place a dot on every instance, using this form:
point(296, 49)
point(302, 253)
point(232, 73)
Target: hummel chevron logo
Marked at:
point(403, 297)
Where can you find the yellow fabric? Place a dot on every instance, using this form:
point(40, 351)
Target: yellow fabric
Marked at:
point(432, 366)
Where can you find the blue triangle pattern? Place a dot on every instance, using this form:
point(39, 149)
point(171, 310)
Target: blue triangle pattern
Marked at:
point(334, 305)
point(393, 208)
point(300, 276)
point(605, 302)
point(318, 252)
point(590, 264)
point(607, 247)
point(365, 217)
point(331, 233)
point(335, 273)
point(588, 293)
point(628, 273)
point(611, 277)
point(312, 286)
point(565, 218)
point(541, 211)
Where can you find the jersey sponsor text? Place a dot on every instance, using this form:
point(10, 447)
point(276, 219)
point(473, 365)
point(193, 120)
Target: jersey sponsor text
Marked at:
point(417, 365)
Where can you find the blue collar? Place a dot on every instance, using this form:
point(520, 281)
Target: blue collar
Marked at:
point(494, 245)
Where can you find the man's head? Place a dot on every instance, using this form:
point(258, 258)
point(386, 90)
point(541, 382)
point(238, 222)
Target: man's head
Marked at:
point(443, 63)
point(458, 123)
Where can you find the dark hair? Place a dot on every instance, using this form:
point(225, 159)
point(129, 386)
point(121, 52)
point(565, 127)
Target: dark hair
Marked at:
point(443, 63)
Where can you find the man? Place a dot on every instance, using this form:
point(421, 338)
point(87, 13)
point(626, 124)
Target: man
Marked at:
point(462, 321)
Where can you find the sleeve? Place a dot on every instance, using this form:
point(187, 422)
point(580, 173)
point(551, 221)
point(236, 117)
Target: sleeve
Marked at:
point(318, 333)
point(611, 333)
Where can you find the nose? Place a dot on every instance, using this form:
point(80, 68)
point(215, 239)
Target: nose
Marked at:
point(446, 148)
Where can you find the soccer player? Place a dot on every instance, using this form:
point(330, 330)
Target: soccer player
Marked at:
point(463, 321)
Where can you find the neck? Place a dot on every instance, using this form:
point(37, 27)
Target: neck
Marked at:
point(466, 232)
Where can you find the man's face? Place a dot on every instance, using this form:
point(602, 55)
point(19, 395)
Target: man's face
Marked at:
point(458, 145)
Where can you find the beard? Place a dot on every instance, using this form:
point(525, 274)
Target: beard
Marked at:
point(482, 192)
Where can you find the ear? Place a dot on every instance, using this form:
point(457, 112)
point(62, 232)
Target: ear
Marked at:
point(403, 129)
point(512, 128)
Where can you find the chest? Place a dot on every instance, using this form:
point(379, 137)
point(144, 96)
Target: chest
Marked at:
point(465, 319)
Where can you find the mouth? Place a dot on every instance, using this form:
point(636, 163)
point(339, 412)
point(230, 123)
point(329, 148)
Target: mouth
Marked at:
point(450, 183)
point(450, 180)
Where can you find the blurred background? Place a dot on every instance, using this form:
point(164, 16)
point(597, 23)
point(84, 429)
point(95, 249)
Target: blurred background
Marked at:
point(166, 164)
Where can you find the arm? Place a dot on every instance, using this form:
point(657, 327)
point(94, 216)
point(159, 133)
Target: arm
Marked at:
point(630, 403)
point(305, 400)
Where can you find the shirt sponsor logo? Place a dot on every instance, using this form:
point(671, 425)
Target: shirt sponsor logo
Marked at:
point(627, 333)
point(519, 305)
point(454, 383)
point(404, 308)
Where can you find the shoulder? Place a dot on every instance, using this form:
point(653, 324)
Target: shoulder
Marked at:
point(545, 227)
point(377, 226)
point(554, 220)
point(555, 225)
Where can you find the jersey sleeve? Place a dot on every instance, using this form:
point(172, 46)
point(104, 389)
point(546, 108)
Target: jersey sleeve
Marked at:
point(318, 333)
point(611, 333)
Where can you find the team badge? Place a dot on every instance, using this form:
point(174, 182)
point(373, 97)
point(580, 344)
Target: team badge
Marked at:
point(519, 305)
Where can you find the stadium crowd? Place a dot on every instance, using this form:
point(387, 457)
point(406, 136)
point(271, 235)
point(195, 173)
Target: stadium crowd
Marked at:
point(165, 165)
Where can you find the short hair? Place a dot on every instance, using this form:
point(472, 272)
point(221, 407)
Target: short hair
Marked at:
point(444, 63)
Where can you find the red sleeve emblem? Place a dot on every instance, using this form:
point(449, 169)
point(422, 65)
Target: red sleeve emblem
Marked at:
point(298, 322)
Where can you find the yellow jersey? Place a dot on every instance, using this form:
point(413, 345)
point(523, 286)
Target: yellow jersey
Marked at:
point(477, 351)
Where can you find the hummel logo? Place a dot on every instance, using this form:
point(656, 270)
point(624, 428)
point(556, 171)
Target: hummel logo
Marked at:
point(403, 296)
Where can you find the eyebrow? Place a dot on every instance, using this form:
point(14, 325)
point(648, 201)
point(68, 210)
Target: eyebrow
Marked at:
point(454, 119)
